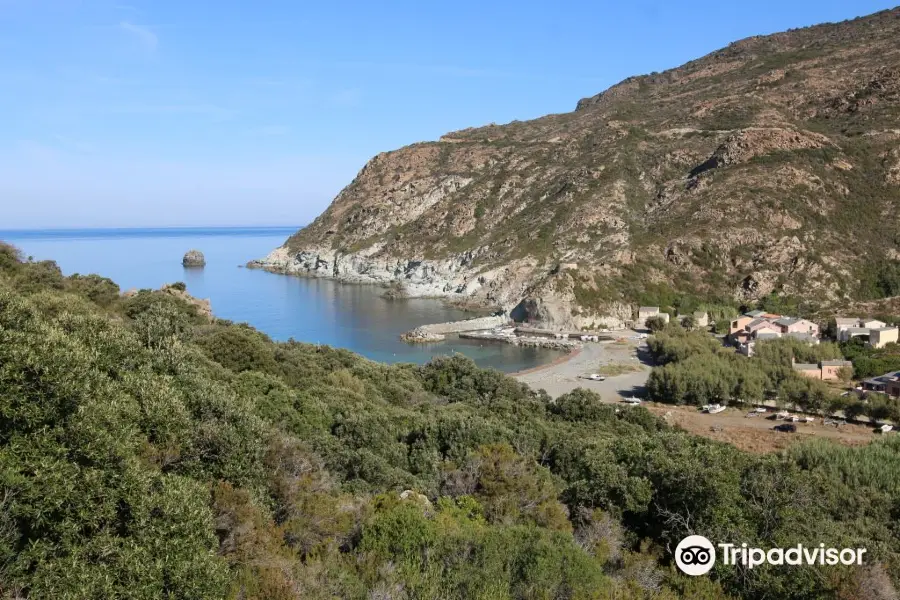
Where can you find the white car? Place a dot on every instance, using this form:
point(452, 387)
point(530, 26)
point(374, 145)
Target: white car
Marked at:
point(596, 377)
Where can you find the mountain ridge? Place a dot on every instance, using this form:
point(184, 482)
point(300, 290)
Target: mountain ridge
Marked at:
point(769, 166)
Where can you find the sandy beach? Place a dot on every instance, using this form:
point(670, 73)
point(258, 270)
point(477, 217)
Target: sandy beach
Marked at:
point(569, 372)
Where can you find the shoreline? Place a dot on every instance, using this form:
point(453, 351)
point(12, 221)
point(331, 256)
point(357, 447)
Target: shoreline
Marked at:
point(459, 302)
point(553, 363)
point(568, 373)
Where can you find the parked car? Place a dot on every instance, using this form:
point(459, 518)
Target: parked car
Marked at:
point(786, 428)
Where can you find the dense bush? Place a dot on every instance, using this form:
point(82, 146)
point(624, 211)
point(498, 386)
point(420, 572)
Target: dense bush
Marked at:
point(870, 362)
point(149, 452)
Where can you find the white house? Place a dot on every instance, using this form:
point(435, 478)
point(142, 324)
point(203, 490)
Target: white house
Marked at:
point(844, 323)
point(648, 312)
point(851, 332)
point(872, 323)
point(882, 336)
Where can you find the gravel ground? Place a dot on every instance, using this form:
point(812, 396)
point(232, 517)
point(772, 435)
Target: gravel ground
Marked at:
point(565, 376)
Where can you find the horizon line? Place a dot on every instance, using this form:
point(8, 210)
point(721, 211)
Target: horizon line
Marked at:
point(135, 227)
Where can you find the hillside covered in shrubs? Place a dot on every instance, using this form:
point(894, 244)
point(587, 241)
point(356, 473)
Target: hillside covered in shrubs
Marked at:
point(149, 451)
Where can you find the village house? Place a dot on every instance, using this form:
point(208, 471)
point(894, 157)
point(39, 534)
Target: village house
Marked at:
point(741, 337)
point(648, 312)
point(851, 327)
point(844, 323)
point(757, 324)
point(826, 370)
point(809, 370)
point(740, 323)
point(847, 334)
point(882, 336)
point(760, 325)
point(747, 341)
point(831, 368)
point(701, 318)
point(764, 334)
point(888, 383)
point(872, 323)
point(796, 325)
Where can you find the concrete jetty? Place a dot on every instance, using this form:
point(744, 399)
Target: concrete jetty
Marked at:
point(435, 332)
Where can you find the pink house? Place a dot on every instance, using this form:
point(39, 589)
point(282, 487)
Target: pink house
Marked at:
point(766, 328)
point(828, 370)
point(791, 325)
point(757, 324)
point(831, 368)
point(739, 324)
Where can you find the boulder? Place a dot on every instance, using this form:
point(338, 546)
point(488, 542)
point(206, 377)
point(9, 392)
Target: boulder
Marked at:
point(193, 258)
point(412, 496)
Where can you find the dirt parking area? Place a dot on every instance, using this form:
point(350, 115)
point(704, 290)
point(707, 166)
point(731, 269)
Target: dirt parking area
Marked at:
point(756, 434)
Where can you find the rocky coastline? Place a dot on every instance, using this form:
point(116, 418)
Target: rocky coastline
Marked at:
point(453, 279)
point(523, 289)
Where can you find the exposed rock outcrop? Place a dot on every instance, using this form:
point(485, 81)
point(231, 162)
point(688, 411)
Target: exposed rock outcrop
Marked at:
point(193, 258)
point(748, 144)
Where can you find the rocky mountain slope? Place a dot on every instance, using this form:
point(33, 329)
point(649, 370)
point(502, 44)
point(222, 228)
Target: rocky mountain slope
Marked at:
point(772, 165)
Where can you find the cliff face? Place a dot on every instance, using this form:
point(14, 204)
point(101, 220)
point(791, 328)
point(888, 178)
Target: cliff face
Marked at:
point(772, 165)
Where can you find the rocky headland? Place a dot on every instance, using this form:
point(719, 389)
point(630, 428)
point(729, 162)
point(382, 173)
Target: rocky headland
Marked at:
point(769, 167)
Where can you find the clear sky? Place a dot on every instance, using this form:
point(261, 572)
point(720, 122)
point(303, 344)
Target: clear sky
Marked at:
point(239, 112)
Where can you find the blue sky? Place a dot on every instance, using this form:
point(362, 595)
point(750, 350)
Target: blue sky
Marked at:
point(138, 113)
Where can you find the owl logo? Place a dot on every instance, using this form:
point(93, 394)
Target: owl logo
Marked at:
point(695, 555)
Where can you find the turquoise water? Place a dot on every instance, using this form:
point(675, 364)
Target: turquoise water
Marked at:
point(355, 317)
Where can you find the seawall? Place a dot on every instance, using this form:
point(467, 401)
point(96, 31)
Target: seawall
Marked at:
point(435, 332)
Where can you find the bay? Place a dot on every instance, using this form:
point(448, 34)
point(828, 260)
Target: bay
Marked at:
point(355, 317)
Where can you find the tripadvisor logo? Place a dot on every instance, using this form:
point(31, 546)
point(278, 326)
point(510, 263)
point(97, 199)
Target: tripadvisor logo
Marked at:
point(696, 555)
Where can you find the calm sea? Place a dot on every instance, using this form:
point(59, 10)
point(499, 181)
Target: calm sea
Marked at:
point(355, 317)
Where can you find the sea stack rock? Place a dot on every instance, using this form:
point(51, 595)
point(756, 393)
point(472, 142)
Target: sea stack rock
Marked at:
point(193, 258)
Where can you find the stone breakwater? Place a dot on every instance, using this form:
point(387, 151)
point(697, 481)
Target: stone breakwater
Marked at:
point(435, 332)
point(524, 340)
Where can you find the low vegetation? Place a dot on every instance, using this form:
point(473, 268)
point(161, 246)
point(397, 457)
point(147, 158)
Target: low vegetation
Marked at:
point(147, 451)
point(616, 369)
